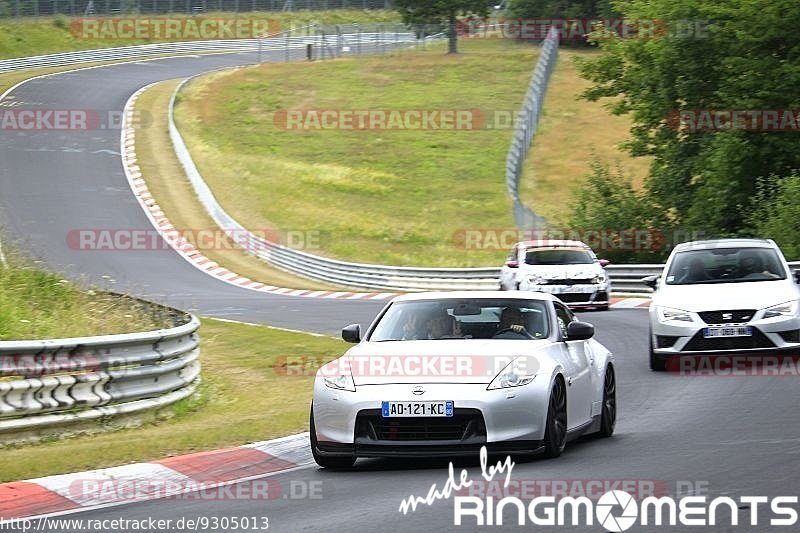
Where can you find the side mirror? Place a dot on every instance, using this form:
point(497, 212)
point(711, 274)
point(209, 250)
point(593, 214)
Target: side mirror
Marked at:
point(651, 281)
point(352, 333)
point(604, 263)
point(579, 331)
point(512, 264)
point(797, 276)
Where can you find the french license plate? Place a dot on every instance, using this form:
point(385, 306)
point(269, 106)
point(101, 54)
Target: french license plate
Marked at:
point(390, 409)
point(728, 331)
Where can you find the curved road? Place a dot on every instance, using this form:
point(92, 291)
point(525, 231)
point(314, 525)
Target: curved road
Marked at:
point(729, 436)
point(52, 182)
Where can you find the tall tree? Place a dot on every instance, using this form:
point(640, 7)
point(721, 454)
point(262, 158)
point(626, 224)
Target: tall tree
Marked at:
point(714, 55)
point(442, 12)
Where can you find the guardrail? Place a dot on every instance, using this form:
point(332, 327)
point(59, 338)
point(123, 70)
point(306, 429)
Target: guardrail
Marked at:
point(527, 120)
point(58, 382)
point(281, 42)
point(624, 278)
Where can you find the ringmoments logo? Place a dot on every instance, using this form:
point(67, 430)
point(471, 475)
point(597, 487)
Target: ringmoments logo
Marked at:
point(615, 509)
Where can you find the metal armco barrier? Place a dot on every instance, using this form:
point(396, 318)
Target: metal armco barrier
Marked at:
point(56, 382)
point(327, 41)
point(528, 118)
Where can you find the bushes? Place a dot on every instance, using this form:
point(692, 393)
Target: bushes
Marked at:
point(608, 203)
point(777, 214)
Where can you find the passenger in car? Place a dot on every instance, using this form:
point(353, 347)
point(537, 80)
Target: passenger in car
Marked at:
point(445, 327)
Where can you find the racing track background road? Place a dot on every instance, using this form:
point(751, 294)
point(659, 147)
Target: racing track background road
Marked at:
point(740, 435)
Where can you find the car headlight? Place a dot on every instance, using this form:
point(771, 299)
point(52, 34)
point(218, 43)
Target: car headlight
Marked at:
point(338, 375)
point(666, 314)
point(784, 309)
point(517, 373)
point(600, 278)
point(342, 382)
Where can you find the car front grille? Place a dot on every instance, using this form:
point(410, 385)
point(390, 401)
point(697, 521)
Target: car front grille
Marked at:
point(737, 316)
point(464, 425)
point(574, 297)
point(701, 344)
point(576, 281)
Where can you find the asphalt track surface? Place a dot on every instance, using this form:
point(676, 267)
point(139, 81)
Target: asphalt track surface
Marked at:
point(53, 182)
point(732, 436)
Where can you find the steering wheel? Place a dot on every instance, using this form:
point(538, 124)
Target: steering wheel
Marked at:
point(524, 333)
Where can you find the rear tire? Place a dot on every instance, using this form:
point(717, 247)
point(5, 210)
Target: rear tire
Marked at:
point(608, 415)
point(555, 434)
point(332, 463)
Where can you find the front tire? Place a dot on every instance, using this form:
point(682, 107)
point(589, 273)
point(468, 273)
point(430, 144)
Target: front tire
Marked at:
point(555, 435)
point(608, 416)
point(333, 463)
point(657, 364)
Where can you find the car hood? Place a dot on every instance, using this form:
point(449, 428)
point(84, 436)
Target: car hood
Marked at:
point(726, 296)
point(563, 271)
point(440, 361)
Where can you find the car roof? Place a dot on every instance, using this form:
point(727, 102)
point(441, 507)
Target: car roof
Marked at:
point(544, 243)
point(725, 243)
point(474, 295)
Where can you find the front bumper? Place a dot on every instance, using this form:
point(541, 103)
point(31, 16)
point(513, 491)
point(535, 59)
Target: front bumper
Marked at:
point(586, 295)
point(504, 420)
point(770, 335)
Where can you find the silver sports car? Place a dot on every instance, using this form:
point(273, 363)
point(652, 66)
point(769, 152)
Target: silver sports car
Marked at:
point(442, 374)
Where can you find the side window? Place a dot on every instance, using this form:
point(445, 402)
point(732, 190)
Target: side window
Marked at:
point(564, 317)
point(512, 255)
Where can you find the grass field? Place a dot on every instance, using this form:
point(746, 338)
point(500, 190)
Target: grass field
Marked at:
point(174, 193)
point(35, 36)
point(570, 133)
point(386, 196)
point(36, 304)
point(394, 197)
point(246, 396)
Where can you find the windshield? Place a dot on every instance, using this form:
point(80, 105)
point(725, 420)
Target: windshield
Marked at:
point(559, 256)
point(462, 319)
point(725, 265)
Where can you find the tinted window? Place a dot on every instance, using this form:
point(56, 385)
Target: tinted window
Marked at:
point(564, 317)
point(460, 319)
point(725, 265)
point(559, 256)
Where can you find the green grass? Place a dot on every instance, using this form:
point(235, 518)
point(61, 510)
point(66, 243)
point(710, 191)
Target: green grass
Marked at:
point(35, 36)
point(394, 197)
point(571, 132)
point(36, 304)
point(242, 399)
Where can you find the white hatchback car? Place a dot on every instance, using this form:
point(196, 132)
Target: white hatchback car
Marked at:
point(724, 296)
point(567, 269)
